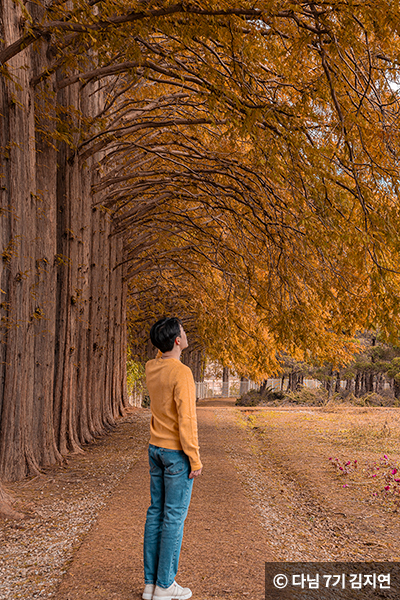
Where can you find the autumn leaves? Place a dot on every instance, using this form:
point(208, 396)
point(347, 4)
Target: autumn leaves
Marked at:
point(248, 157)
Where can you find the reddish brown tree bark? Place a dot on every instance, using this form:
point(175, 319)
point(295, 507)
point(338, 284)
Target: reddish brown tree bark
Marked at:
point(6, 508)
point(63, 306)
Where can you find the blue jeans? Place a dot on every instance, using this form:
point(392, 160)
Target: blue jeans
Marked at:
point(170, 489)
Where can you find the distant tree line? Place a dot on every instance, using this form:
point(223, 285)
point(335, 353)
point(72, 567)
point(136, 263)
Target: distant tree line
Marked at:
point(375, 368)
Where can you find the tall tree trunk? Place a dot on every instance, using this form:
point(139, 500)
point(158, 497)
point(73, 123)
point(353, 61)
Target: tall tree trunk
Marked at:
point(379, 384)
point(45, 287)
point(337, 383)
point(244, 386)
point(295, 381)
point(194, 358)
point(17, 454)
point(68, 200)
point(63, 305)
point(225, 382)
point(357, 385)
point(363, 384)
point(396, 388)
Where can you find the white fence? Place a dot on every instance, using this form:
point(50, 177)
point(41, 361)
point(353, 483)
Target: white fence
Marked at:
point(232, 389)
point(223, 389)
point(235, 388)
point(276, 384)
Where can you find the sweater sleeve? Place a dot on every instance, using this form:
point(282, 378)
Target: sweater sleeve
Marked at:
point(185, 399)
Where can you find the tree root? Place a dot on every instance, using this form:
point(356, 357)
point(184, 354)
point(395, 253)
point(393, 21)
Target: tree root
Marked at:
point(6, 509)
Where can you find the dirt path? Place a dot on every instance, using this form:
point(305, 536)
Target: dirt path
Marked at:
point(268, 493)
point(224, 546)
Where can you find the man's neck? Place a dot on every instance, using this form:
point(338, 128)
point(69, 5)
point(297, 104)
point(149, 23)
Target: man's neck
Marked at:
point(174, 353)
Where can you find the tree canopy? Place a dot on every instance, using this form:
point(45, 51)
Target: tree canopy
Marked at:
point(248, 156)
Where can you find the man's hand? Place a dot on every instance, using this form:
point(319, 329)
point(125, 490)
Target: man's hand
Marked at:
point(194, 474)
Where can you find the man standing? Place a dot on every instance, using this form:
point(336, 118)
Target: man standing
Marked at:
point(174, 460)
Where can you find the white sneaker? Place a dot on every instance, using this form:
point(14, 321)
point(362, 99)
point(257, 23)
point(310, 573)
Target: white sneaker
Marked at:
point(174, 592)
point(148, 591)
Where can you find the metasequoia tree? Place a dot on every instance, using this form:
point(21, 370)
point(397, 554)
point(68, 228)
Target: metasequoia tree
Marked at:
point(63, 299)
point(235, 164)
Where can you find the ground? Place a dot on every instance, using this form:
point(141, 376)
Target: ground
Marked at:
point(269, 492)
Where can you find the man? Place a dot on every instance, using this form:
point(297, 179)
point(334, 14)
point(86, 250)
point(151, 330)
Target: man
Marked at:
point(174, 460)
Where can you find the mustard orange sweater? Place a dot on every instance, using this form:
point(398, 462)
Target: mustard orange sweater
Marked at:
point(173, 407)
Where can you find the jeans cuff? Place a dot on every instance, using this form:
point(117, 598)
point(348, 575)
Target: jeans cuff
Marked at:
point(165, 587)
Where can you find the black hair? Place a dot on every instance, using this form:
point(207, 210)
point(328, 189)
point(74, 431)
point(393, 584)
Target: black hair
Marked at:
point(164, 333)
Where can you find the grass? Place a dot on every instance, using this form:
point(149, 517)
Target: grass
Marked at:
point(345, 426)
point(366, 439)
